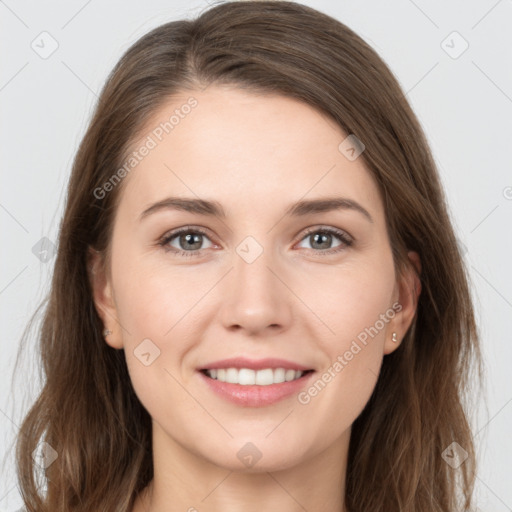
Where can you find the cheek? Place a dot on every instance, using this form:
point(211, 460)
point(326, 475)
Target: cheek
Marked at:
point(356, 306)
point(150, 299)
point(350, 298)
point(149, 307)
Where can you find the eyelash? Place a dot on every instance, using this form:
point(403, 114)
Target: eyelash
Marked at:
point(342, 236)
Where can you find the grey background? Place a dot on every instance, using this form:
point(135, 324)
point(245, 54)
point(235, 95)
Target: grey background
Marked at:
point(464, 103)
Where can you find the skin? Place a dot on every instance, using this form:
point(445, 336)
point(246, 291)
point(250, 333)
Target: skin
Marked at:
point(255, 154)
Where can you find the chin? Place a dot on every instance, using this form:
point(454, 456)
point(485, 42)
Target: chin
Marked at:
point(256, 456)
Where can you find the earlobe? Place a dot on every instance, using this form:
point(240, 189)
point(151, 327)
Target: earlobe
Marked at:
point(409, 289)
point(392, 342)
point(102, 296)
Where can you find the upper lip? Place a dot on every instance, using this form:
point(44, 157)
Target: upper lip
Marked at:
point(255, 364)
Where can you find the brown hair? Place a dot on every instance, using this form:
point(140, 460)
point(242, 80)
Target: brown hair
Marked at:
point(87, 410)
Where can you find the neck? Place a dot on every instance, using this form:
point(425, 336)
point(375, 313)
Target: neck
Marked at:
point(184, 481)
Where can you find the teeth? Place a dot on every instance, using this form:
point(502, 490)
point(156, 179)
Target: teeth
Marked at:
point(248, 377)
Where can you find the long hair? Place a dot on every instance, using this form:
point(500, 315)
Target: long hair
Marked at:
point(87, 410)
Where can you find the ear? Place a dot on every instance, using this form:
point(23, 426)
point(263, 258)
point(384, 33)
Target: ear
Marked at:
point(103, 296)
point(408, 289)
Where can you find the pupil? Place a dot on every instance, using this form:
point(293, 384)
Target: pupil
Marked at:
point(325, 236)
point(188, 239)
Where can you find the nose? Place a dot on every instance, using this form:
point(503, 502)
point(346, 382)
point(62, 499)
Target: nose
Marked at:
point(255, 297)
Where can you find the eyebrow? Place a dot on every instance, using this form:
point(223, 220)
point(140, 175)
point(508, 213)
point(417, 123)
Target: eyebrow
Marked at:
point(215, 209)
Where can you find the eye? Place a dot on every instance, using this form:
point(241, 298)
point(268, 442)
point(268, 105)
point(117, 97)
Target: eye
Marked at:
point(322, 238)
point(188, 241)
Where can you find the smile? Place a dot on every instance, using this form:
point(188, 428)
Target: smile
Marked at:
point(249, 377)
point(255, 388)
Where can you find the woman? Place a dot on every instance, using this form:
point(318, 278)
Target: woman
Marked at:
point(311, 348)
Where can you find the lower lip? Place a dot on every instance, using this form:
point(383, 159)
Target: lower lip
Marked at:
point(256, 396)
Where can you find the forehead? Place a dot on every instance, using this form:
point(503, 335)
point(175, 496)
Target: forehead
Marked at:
point(243, 148)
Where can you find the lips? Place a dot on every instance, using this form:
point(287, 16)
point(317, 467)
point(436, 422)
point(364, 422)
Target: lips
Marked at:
point(255, 364)
point(268, 387)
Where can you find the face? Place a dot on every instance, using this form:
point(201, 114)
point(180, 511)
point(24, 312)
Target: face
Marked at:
point(312, 286)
